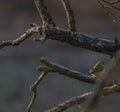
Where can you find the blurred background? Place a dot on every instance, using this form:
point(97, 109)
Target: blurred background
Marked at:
point(18, 64)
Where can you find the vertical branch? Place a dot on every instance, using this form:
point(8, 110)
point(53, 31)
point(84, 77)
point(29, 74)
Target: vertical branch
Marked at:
point(33, 88)
point(111, 69)
point(70, 15)
point(44, 13)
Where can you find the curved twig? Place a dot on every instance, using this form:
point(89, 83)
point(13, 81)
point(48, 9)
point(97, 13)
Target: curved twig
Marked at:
point(82, 40)
point(111, 4)
point(70, 15)
point(33, 88)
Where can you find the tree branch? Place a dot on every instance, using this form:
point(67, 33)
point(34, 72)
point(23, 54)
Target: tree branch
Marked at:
point(111, 4)
point(44, 13)
point(53, 67)
point(82, 40)
point(23, 37)
point(33, 89)
point(82, 98)
point(70, 15)
point(74, 38)
point(107, 78)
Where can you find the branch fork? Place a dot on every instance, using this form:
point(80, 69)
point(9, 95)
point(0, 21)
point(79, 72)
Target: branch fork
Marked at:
point(49, 30)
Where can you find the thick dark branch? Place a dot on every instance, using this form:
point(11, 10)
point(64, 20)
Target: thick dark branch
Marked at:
point(19, 40)
point(70, 15)
point(82, 40)
point(82, 98)
point(74, 38)
point(53, 67)
point(44, 13)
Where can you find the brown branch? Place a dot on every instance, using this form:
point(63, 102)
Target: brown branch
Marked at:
point(29, 32)
point(70, 15)
point(53, 67)
point(107, 78)
point(44, 13)
point(82, 98)
point(33, 88)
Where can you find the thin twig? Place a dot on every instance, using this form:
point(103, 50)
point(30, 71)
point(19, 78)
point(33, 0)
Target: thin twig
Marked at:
point(53, 67)
point(115, 1)
point(107, 10)
point(111, 70)
point(111, 4)
point(70, 15)
point(33, 88)
point(28, 33)
point(82, 98)
point(44, 13)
